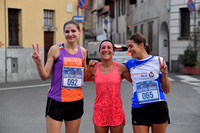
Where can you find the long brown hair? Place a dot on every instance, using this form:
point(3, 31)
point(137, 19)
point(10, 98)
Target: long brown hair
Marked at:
point(139, 38)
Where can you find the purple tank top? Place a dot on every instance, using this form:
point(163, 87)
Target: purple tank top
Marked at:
point(56, 91)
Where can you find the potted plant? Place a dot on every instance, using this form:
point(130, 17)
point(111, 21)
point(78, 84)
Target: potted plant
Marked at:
point(198, 63)
point(189, 62)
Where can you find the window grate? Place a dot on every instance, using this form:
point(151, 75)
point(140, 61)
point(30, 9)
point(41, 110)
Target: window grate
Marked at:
point(48, 18)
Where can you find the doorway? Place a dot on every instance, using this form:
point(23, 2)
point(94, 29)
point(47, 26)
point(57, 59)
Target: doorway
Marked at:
point(164, 42)
point(48, 42)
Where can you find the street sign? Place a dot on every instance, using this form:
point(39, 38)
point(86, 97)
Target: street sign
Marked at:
point(82, 4)
point(191, 5)
point(78, 18)
point(105, 21)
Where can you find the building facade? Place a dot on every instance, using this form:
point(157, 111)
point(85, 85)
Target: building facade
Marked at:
point(31, 22)
point(126, 17)
point(168, 25)
point(101, 20)
point(184, 30)
point(151, 18)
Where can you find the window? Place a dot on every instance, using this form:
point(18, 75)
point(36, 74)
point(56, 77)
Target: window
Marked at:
point(135, 29)
point(118, 7)
point(107, 2)
point(112, 10)
point(123, 7)
point(141, 28)
point(133, 1)
point(48, 18)
point(13, 26)
point(185, 22)
point(150, 34)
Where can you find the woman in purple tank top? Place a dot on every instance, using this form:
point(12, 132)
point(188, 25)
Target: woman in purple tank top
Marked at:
point(65, 102)
point(108, 112)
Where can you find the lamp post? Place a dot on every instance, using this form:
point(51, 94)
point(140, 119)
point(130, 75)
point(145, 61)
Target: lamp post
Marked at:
point(195, 45)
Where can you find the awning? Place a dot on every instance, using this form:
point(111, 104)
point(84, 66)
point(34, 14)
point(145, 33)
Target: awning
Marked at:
point(102, 9)
point(98, 8)
point(105, 10)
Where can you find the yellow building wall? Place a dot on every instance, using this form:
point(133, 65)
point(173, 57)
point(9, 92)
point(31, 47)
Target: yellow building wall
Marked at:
point(32, 12)
point(16, 63)
point(2, 22)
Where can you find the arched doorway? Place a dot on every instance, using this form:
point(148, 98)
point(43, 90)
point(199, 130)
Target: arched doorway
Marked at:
point(164, 42)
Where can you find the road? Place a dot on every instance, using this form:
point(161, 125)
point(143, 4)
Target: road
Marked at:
point(22, 105)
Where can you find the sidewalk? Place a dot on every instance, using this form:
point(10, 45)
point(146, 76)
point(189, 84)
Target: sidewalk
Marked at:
point(24, 83)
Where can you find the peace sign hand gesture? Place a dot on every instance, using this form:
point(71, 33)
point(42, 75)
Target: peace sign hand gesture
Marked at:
point(163, 66)
point(36, 54)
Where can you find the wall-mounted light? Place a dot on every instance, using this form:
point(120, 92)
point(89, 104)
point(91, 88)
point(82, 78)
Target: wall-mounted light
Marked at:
point(165, 43)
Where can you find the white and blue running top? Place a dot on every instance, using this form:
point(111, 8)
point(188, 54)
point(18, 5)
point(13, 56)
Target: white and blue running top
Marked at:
point(145, 76)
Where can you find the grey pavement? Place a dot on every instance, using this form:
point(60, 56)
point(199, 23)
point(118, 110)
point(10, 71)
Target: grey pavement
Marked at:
point(22, 106)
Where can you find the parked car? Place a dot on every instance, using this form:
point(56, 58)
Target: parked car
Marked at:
point(121, 54)
point(92, 49)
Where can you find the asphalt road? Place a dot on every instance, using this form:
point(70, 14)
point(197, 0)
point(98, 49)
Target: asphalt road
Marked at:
point(22, 106)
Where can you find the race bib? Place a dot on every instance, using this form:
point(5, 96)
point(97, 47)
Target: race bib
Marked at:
point(72, 77)
point(147, 91)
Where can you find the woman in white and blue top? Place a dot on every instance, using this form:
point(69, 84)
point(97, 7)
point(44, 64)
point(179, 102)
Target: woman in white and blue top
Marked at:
point(150, 85)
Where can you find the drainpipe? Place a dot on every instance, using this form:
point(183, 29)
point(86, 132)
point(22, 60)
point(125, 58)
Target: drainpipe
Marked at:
point(5, 41)
point(195, 46)
point(79, 25)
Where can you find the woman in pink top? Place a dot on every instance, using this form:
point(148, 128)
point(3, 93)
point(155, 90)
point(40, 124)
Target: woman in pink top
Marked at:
point(108, 111)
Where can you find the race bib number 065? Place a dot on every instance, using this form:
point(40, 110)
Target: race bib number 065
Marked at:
point(147, 91)
point(72, 77)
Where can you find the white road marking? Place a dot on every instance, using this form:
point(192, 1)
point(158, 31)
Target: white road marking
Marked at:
point(197, 89)
point(22, 87)
point(189, 80)
point(171, 79)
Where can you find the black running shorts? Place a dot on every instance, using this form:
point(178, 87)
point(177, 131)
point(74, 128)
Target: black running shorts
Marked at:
point(66, 111)
point(154, 113)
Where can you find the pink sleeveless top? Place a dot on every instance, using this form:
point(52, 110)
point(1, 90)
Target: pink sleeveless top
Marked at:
point(108, 109)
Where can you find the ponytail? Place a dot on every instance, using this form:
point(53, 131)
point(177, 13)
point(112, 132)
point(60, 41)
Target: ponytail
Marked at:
point(147, 48)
